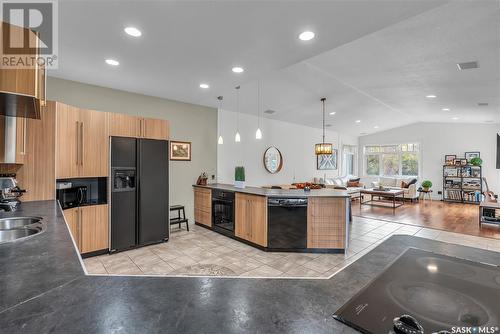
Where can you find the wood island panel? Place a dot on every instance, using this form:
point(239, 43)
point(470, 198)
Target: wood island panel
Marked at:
point(251, 218)
point(326, 222)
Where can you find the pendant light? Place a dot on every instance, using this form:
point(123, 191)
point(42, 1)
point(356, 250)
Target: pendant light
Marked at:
point(220, 141)
point(258, 133)
point(237, 137)
point(323, 148)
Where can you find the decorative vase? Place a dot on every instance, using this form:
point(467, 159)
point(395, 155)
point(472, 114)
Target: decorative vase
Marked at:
point(239, 184)
point(426, 188)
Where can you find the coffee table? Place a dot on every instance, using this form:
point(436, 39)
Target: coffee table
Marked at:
point(382, 196)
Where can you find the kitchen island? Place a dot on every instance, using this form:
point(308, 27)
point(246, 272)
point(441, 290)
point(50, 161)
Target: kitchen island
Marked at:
point(276, 219)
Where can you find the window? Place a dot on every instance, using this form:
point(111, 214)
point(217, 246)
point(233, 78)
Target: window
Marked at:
point(392, 160)
point(349, 160)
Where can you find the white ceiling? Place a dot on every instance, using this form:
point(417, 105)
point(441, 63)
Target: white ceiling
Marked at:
point(373, 60)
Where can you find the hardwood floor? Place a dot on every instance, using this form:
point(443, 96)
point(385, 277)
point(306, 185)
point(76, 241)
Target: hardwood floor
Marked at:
point(453, 217)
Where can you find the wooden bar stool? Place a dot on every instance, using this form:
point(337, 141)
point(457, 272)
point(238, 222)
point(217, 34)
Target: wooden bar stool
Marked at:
point(179, 220)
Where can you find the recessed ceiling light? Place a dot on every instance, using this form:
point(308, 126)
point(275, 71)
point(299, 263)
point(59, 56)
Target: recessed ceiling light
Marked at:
point(112, 62)
point(238, 69)
point(445, 109)
point(482, 104)
point(333, 113)
point(358, 121)
point(328, 125)
point(455, 118)
point(375, 127)
point(468, 65)
point(306, 36)
point(431, 96)
point(133, 31)
point(204, 86)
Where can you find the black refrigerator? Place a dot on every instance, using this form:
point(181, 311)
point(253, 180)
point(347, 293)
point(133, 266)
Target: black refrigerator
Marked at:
point(139, 192)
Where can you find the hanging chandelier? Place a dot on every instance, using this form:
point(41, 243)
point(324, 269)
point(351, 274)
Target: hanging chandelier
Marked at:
point(323, 148)
point(220, 141)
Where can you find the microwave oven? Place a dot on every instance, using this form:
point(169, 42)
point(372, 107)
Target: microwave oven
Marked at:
point(72, 197)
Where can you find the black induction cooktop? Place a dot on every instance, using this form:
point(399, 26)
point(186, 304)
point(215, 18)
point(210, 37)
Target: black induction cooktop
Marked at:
point(436, 291)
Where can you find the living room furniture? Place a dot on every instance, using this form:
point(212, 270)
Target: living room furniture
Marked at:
point(395, 184)
point(489, 213)
point(462, 184)
point(424, 194)
point(179, 220)
point(341, 181)
point(378, 197)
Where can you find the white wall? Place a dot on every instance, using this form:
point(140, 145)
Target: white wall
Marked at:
point(188, 122)
point(296, 143)
point(439, 139)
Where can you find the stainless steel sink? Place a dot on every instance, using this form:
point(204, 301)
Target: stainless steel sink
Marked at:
point(16, 228)
point(18, 233)
point(16, 222)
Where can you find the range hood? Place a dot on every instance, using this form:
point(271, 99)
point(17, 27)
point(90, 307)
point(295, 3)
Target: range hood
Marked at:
point(17, 105)
point(8, 125)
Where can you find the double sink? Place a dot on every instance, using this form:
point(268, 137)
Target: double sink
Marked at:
point(16, 228)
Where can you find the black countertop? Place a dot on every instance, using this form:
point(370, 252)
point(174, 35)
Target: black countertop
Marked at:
point(278, 192)
point(44, 289)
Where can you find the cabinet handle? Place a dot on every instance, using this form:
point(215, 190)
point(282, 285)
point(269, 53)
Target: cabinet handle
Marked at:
point(77, 143)
point(81, 142)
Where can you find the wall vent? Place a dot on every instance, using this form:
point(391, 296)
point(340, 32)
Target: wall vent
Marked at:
point(483, 104)
point(468, 65)
point(269, 111)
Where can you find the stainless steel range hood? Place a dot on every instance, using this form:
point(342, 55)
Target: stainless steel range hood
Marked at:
point(8, 126)
point(17, 105)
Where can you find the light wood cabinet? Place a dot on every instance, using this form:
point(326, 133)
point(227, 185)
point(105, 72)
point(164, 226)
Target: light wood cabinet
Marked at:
point(27, 80)
point(122, 125)
point(72, 219)
point(94, 228)
point(326, 222)
point(82, 145)
point(251, 218)
point(154, 128)
point(203, 206)
point(89, 227)
point(37, 174)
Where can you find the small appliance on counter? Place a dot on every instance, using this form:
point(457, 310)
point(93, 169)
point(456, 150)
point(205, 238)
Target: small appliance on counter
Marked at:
point(9, 193)
point(80, 192)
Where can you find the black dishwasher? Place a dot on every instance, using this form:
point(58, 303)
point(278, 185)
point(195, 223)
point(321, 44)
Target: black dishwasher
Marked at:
point(287, 223)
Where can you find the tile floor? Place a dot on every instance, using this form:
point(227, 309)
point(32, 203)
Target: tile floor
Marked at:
point(202, 252)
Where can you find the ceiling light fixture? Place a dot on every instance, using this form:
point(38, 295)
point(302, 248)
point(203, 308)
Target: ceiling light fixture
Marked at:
point(306, 36)
point(431, 96)
point(333, 113)
point(238, 69)
point(133, 31)
point(112, 62)
point(220, 141)
point(375, 127)
point(357, 121)
point(323, 148)
point(237, 137)
point(455, 118)
point(204, 86)
point(258, 133)
point(446, 109)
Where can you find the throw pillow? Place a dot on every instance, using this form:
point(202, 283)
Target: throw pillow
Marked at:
point(413, 181)
point(404, 185)
point(354, 180)
point(353, 183)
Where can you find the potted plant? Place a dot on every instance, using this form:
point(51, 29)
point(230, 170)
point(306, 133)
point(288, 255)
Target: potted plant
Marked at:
point(426, 185)
point(476, 161)
point(239, 177)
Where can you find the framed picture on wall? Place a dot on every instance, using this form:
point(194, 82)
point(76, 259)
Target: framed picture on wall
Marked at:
point(449, 159)
point(327, 161)
point(470, 155)
point(180, 150)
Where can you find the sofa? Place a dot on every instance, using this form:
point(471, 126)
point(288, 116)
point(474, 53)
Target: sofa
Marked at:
point(395, 183)
point(341, 182)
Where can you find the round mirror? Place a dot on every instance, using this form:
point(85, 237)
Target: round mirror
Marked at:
point(273, 161)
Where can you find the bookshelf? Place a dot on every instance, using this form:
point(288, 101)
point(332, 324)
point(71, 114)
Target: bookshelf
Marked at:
point(462, 184)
